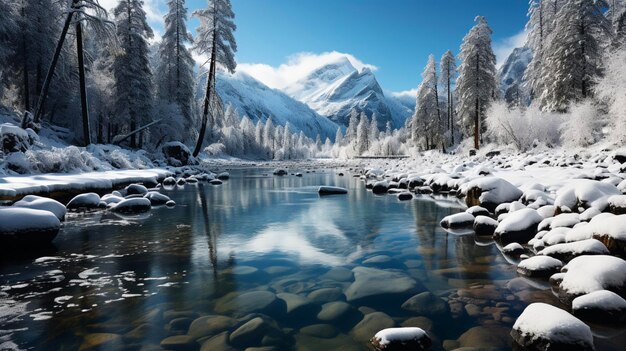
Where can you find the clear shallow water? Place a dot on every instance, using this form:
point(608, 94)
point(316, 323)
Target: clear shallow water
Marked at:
point(130, 282)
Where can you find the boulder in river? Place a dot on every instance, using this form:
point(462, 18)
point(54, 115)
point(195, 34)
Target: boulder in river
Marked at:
point(132, 206)
point(519, 226)
point(397, 339)
point(545, 327)
point(84, 202)
point(27, 227)
point(602, 306)
point(332, 190)
point(489, 192)
point(42, 203)
point(374, 286)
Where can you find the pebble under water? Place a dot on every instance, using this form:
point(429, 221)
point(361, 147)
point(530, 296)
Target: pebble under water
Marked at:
point(264, 260)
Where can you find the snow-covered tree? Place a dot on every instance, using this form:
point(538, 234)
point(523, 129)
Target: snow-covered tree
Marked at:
point(258, 132)
point(616, 14)
point(582, 126)
point(338, 137)
point(610, 90)
point(352, 125)
point(175, 77)
point(448, 74)
point(572, 59)
point(287, 142)
point(362, 138)
point(427, 116)
point(8, 28)
point(476, 86)
point(215, 40)
point(373, 131)
point(131, 67)
point(268, 137)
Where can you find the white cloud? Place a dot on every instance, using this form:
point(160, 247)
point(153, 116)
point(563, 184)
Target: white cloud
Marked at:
point(503, 48)
point(297, 67)
point(412, 93)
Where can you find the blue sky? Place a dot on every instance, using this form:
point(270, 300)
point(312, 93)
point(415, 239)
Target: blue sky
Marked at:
point(393, 36)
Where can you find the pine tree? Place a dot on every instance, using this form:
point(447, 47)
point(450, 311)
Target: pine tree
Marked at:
point(373, 129)
point(215, 39)
point(573, 57)
point(362, 139)
point(338, 137)
point(427, 120)
point(616, 15)
point(131, 68)
point(476, 85)
point(175, 82)
point(448, 74)
point(541, 22)
point(352, 124)
point(268, 137)
point(287, 142)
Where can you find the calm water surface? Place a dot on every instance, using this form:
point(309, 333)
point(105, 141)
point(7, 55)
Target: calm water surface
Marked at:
point(115, 282)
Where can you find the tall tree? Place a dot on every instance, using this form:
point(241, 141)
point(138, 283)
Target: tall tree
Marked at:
point(175, 79)
point(427, 117)
point(476, 85)
point(541, 22)
point(373, 131)
point(448, 74)
point(616, 14)
point(362, 138)
point(215, 39)
point(573, 58)
point(131, 68)
point(8, 26)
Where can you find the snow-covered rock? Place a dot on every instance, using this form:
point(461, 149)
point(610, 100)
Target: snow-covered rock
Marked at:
point(585, 274)
point(568, 251)
point(132, 206)
point(13, 139)
point(136, 189)
point(477, 211)
point(519, 226)
point(156, 198)
point(176, 154)
point(513, 249)
point(602, 306)
point(545, 327)
point(280, 172)
point(405, 196)
point(169, 181)
point(332, 190)
point(617, 204)
point(565, 220)
point(380, 187)
point(27, 227)
point(485, 226)
point(457, 220)
point(396, 339)
point(42, 203)
point(539, 266)
point(611, 231)
point(584, 193)
point(82, 202)
point(489, 192)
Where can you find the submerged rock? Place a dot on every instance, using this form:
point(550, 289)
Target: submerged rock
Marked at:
point(210, 326)
point(332, 190)
point(545, 327)
point(370, 325)
point(251, 302)
point(426, 304)
point(377, 286)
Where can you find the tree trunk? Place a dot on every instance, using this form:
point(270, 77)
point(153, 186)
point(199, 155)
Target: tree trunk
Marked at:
point(55, 59)
point(476, 131)
point(207, 97)
point(83, 87)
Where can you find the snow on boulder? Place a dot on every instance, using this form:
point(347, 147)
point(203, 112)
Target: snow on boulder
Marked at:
point(519, 226)
point(568, 251)
point(545, 327)
point(485, 226)
point(539, 266)
point(546, 211)
point(584, 193)
point(42, 203)
point(617, 204)
point(602, 306)
point(176, 154)
point(82, 202)
point(565, 220)
point(13, 138)
point(405, 196)
point(513, 249)
point(27, 227)
point(111, 199)
point(223, 176)
point(132, 206)
point(489, 192)
point(457, 220)
point(477, 211)
point(556, 236)
point(611, 231)
point(396, 339)
point(585, 274)
point(156, 198)
point(215, 182)
point(169, 181)
point(331, 190)
point(415, 181)
point(136, 189)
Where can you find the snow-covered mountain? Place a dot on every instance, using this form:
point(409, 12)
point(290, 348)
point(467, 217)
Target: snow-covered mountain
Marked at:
point(335, 88)
point(256, 100)
point(512, 73)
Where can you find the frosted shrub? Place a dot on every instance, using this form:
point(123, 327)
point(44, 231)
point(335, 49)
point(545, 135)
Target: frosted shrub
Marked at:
point(612, 90)
point(582, 125)
point(61, 160)
point(522, 127)
point(216, 149)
